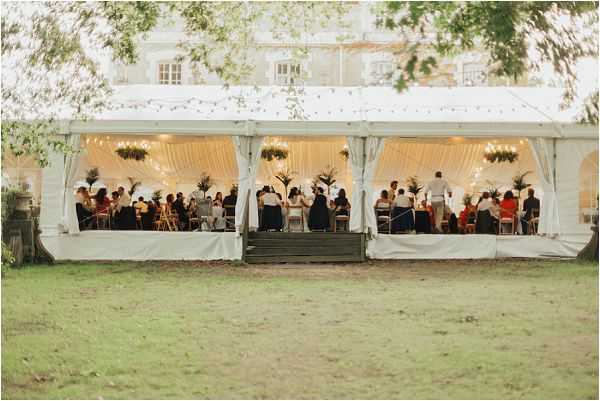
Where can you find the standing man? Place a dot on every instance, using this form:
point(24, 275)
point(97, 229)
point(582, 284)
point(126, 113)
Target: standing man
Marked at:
point(124, 199)
point(438, 187)
point(392, 191)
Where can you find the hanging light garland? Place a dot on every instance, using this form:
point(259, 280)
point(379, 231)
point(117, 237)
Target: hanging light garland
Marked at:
point(500, 154)
point(275, 150)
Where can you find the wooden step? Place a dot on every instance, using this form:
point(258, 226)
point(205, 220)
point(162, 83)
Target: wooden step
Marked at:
point(278, 247)
point(303, 251)
point(302, 259)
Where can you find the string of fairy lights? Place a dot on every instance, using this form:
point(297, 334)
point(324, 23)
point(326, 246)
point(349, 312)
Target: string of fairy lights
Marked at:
point(255, 101)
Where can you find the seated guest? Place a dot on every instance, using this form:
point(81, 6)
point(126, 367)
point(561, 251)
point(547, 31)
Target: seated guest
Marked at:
point(318, 216)
point(424, 218)
point(531, 207)
point(169, 208)
point(191, 207)
point(393, 189)
point(102, 206)
point(218, 201)
point(466, 217)
point(114, 202)
point(181, 211)
point(271, 215)
point(140, 206)
point(229, 201)
point(102, 201)
point(402, 215)
point(384, 201)
point(147, 218)
point(508, 207)
point(450, 217)
point(83, 208)
point(485, 211)
point(342, 206)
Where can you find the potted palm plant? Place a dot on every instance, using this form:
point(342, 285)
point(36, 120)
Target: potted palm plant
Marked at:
point(493, 190)
point(91, 176)
point(204, 184)
point(285, 177)
point(414, 187)
point(133, 185)
point(327, 177)
point(519, 184)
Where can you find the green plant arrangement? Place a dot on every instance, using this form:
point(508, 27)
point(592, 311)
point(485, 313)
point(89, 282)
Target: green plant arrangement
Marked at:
point(205, 183)
point(91, 176)
point(274, 152)
point(132, 152)
point(467, 199)
point(133, 184)
point(519, 183)
point(327, 177)
point(413, 185)
point(499, 154)
point(285, 177)
point(345, 153)
point(157, 195)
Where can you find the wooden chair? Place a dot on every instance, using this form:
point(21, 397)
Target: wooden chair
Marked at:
point(384, 221)
point(506, 222)
point(102, 220)
point(341, 219)
point(534, 221)
point(296, 219)
point(229, 217)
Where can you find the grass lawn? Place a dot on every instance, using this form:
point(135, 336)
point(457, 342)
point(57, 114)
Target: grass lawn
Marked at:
point(484, 329)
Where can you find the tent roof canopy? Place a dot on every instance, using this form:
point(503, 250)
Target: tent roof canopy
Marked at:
point(317, 110)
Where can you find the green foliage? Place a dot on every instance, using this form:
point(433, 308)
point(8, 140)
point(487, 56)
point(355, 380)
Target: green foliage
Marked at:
point(285, 177)
point(7, 257)
point(519, 183)
point(502, 29)
point(327, 177)
point(493, 190)
point(91, 176)
point(133, 185)
point(413, 185)
point(274, 152)
point(501, 155)
point(9, 199)
point(157, 195)
point(205, 183)
point(132, 153)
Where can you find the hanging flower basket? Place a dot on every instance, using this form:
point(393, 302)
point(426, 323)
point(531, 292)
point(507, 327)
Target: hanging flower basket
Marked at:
point(273, 152)
point(499, 154)
point(131, 152)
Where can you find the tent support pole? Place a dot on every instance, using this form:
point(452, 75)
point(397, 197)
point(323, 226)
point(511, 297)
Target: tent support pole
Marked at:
point(362, 196)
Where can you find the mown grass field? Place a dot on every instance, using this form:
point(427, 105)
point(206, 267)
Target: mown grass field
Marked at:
point(485, 329)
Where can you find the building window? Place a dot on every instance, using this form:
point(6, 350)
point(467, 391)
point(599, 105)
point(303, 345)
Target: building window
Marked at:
point(474, 75)
point(382, 73)
point(169, 74)
point(287, 73)
point(588, 188)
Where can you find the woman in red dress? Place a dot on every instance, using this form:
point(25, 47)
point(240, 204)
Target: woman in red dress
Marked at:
point(509, 207)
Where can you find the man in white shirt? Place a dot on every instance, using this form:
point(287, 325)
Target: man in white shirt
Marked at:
point(402, 200)
point(438, 187)
point(124, 199)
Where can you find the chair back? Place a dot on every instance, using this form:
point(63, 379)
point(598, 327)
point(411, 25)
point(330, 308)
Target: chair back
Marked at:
point(204, 208)
point(229, 210)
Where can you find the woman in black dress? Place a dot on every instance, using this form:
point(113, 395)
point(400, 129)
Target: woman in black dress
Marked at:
point(318, 217)
point(342, 206)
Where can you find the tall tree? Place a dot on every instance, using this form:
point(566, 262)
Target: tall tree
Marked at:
point(518, 37)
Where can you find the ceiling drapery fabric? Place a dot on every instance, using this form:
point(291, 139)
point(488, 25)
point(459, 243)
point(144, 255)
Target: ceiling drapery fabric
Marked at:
point(69, 217)
point(247, 153)
point(549, 222)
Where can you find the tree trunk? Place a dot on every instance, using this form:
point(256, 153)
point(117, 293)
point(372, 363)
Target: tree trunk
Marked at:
point(590, 252)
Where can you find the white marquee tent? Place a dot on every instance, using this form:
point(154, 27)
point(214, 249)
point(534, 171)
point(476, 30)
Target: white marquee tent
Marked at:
point(194, 129)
